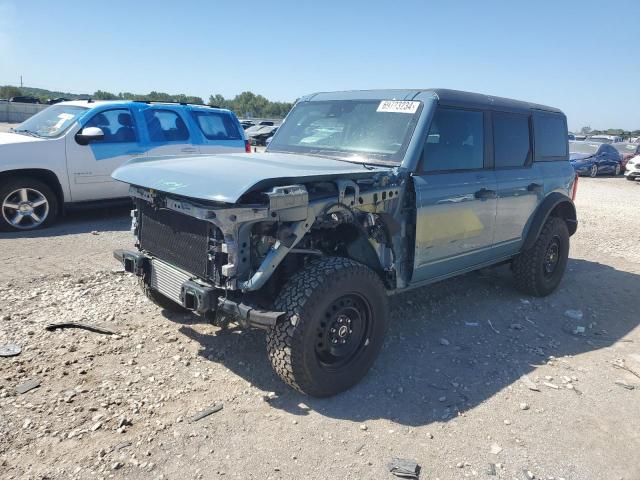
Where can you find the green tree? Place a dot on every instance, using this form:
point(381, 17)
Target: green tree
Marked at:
point(8, 91)
point(102, 95)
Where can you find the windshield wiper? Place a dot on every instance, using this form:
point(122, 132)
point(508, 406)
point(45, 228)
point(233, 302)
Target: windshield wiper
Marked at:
point(25, 132)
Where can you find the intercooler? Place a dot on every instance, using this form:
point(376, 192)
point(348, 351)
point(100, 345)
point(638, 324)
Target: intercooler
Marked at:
point(185, 242)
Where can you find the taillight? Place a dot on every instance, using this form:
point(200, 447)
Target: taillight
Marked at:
point(574, 190)
point(247, 146)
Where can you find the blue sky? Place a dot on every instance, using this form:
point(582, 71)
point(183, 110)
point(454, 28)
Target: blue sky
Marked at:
point(575, 55)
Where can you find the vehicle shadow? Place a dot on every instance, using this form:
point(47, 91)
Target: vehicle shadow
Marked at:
point(452, 345)
point(98, 219)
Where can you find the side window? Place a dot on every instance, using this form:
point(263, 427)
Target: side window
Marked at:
point(455, 141)
point(550, 137)
point(511, 142)
point(165, 126)
point(216, 126)
point(117, 124)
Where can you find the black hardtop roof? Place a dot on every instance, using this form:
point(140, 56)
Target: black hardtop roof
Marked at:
point(457, 97)
point(445, 96)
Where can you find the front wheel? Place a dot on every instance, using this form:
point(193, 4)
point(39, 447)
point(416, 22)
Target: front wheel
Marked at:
point(593, 172)
point(27, 204)
point(630, 178)
point(539, 270)
point(335, 323)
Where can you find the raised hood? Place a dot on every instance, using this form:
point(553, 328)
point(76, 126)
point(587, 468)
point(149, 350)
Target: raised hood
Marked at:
point(579, 157)
point(226, 177)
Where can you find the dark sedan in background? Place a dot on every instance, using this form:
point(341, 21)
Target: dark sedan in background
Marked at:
point(593, 159)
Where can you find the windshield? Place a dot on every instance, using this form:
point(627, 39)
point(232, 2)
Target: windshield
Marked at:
point(355, 130)
point(51, 122)
point(575, 147)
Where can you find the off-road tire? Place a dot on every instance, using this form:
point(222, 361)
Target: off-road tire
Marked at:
point(17, 183)
point(160, 300)
point(306, 298)
point(529, 266)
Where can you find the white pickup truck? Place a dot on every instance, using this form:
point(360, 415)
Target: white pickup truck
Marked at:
point(63, 156)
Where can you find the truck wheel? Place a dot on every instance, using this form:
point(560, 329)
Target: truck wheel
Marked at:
point(538, 270)
point(26, 204)
point(336, 319)
point(160, 300)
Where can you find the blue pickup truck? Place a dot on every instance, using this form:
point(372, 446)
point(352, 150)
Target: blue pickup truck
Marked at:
point(360, 194)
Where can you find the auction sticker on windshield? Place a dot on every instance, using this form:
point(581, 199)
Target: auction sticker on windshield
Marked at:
point(398, 106)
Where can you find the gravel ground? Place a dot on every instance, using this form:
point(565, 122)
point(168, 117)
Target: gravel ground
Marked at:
point(474, 378)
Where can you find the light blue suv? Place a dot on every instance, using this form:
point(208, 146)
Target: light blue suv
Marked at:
point(360, 194)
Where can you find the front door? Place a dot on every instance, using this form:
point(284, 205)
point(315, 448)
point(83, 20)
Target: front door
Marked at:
point(90, 166)
point(455, 195)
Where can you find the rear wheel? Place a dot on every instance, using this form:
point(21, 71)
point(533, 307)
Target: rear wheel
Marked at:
point(26, 204)
point(618, 169)
point(336, 319)
point(593, 172)
point(539, 270)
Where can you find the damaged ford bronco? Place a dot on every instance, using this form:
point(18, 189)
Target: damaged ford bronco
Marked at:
point(359, 195)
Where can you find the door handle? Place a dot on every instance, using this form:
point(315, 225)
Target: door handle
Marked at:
point(485, 194)
point(534, 187)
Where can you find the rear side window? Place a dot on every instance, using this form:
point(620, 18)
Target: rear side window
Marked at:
point(165, 126)
point(550, 137)
point(455, 141)
point(511, 143)
point(216, 126)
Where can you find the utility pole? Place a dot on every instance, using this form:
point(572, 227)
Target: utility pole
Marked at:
point(20, 81)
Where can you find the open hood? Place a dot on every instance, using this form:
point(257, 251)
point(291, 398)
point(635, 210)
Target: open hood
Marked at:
point(579, 157)
point(226, 177)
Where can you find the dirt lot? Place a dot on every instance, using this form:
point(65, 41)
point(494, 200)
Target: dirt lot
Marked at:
point(474, 378)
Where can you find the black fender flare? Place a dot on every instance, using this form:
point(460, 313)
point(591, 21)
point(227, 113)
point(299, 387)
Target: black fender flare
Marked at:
point(556, 204)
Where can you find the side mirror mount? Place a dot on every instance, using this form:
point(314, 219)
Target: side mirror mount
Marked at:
point(88, 135)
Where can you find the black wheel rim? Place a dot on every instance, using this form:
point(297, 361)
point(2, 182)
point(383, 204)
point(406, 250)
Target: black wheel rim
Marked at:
point(343, 331)
point(552, 257)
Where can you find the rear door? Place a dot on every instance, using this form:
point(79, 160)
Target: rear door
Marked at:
point(220, 131)
point(168, 133)
point(90, 166)
point(455, 195)
point(519, 179)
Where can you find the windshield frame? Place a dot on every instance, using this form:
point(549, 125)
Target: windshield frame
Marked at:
point(23, 128)
point(365, 158)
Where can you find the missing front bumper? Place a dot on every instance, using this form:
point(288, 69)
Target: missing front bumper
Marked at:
point(182, 288)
